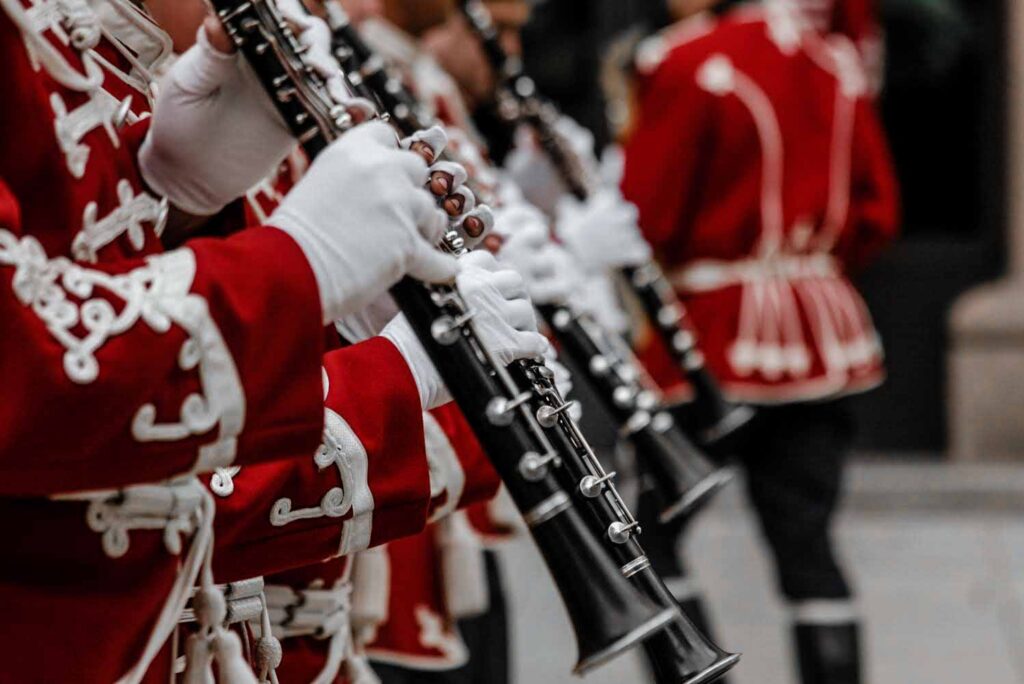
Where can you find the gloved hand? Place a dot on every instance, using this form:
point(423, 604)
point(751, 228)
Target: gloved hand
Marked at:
point(602, 232)
point(363, 220)
point(533, 172)
point(215, 132)
point(503, 314)
point(598, 298)
point(503, 320)
point(551, 275)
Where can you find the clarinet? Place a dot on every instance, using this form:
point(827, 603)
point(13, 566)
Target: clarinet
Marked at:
point(607, 613)
point(678, 654)
point(711, 416)
point(683, 477)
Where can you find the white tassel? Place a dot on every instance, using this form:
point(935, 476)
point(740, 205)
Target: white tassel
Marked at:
point(371, 590)
point(462, 567)
point(231, 665)
point(198, 661)
point(359, 671)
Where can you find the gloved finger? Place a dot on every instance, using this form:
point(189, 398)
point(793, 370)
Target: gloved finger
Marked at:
point(519, 314)
point(218, 37)
point(203, 68)
point(359, 108)
point(459, 202)
point(509, 283)
point(429, 143)
point(380, 133)
point(484, 261)
point(430, 221)
point(553, 291)
point(431, 265)
point(445, 177)
point(530, 345)
point(475, 225)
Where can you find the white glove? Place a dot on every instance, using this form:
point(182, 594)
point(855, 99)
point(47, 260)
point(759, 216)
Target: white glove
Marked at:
point(532, 170)
point(215, 133)
point(598, 298)
point(503, 314)
point(602, 232)
point(363, 220)
point(551, 275)
point(369, 321)
point(503, 319)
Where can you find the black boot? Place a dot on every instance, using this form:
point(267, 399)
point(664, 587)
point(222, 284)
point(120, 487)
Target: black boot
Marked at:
point(828, 654)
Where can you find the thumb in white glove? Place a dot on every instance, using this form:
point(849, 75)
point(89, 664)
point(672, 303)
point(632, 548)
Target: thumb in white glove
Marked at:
point(502, 318)
point(602, 232)
point(363, 220)
point(214, 133)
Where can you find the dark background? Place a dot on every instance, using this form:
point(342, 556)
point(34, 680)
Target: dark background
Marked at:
point(943, 108)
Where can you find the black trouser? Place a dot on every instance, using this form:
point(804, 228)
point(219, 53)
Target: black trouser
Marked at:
point(793, 456)
point(486, 638)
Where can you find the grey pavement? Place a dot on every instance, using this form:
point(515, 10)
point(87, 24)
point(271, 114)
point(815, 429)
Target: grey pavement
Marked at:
point(936, 552)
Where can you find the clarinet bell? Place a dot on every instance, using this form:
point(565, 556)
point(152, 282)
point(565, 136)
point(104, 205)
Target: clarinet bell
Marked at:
point(682, 477)
point(714, 421)
point(608, 614)
point(682, 654)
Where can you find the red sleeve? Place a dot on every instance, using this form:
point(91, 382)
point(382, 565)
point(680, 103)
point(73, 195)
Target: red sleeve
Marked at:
point(874, 198)
point(665, 149)
point(480, 482)
point(146, 368)
point(367, 484)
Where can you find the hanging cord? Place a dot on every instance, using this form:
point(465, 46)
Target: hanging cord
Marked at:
point(199, 553)
point(268, 648)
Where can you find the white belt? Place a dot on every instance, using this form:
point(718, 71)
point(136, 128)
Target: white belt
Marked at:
point(323, 614)
point(705, 275)
point(172, 507)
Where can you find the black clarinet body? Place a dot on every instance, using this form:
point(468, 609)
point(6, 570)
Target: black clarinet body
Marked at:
point(608, 614)
point(682, 477)
point(709, 417)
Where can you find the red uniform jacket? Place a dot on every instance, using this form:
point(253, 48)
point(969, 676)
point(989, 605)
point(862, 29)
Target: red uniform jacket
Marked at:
point(763, 178)
point(315, 642)
point(127, 365)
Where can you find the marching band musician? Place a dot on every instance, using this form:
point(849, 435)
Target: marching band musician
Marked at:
point(763, 181)
point(159, 359)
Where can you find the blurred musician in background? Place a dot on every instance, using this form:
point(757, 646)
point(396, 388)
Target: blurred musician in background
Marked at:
point(763, 181)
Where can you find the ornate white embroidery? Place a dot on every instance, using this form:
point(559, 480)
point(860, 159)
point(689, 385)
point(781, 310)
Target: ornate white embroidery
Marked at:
point(101, 109)
point(129, 217)
point(340, 448)
point(171, 507)
point(157, 294)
